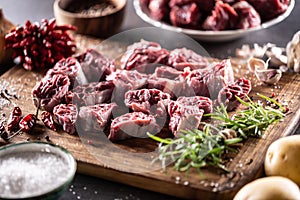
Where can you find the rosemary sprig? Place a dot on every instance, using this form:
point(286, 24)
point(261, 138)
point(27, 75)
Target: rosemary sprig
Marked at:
point(202, 148)
point(252, 121)
point(194, 148)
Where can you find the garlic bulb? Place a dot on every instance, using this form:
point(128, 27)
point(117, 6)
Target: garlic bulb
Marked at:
point(5, 27)
point(293, 53)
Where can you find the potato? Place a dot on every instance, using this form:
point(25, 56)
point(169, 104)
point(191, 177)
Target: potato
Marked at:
point(282, 158)
point(269, 188)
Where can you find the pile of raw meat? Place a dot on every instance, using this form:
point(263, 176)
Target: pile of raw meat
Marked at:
point(154, 89)
point(215, 14)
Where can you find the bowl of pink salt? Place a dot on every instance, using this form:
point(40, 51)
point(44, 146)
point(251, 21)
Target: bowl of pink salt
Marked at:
point(35, 170)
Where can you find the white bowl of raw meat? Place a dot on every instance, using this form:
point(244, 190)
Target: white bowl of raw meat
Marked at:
point(210, 20)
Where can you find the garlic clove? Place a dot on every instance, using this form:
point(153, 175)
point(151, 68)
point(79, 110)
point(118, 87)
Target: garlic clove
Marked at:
point(259, 51)
point(276, 56)
point(268, 76)
point(256, 64)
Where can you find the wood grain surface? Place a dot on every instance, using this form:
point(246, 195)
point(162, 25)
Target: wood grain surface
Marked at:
point(130, 161)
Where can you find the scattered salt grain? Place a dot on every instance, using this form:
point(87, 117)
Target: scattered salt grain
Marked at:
point(186, 183)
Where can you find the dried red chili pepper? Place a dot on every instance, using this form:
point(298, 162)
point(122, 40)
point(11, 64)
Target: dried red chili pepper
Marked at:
point(14, 118)
point(40, 45)
point(48, 120)
point(27, 123)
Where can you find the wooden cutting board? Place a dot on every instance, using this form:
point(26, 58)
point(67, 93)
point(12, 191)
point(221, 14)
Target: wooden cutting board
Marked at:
point(129, 161)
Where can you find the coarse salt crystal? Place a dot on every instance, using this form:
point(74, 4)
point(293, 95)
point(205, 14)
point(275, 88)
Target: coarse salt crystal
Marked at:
point(31, 173)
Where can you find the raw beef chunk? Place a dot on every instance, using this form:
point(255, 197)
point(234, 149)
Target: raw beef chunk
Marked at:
point(50, 92)
point(95, 117)
point(205, 6)
point(187, 16)
point(124, 81)
point(248, 17)
point(203, 103)
point(95, 66)
point(91, 94)
point(239, 88)
point(209, 81)
point(168, 72)
point(159, 9)
point(182, 58)
point(143, 53)
point(135, 124)
point(144, 2)
point(231, 1)
point(223, 17)
point(170, 81)
point(66, 115)
point(69, 67)
point(269, 9)
point(183, 117)
point(148, 101)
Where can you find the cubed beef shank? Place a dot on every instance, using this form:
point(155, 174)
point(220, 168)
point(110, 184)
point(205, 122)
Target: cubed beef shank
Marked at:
point(169, 73)
point(248, 17)
point(269, 9)
point(95, 117)
point(231, 2)
point(183, 117)
point(227, 96)
point(143, 53)
point(209, 81)
point(223, 17)
point(69, 67)
point(171, 81)
point(148, 101)
point(205, 6)
point(135, 124)
point(182, 58)
point(66, 115)
point(159, 9)
point(95, 66)
point(186, 16)
point(50, 92)
point(91, 94)
point(144, 2)
point(203, 103)
point(124, 81)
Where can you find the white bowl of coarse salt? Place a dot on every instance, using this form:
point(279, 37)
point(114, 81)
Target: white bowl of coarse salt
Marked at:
point(35, 170)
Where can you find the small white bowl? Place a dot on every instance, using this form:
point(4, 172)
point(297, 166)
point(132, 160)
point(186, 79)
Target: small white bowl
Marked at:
point(209, 36)
point(35, 170)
